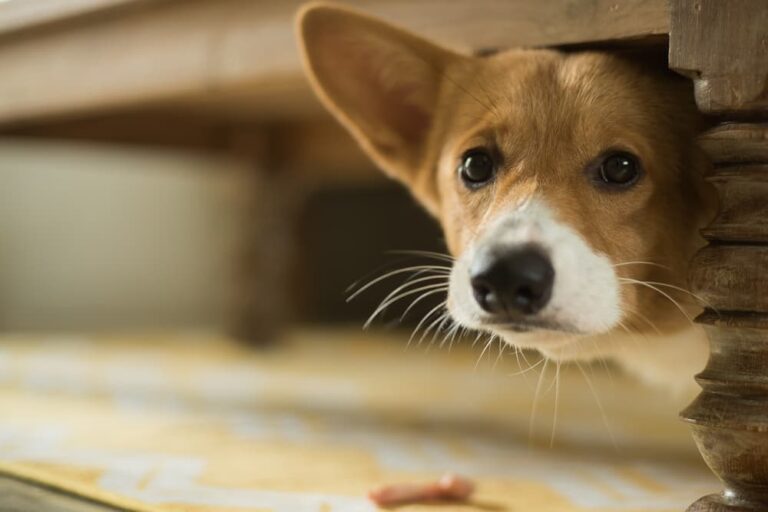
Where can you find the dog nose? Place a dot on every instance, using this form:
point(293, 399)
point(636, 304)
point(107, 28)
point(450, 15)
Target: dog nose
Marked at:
point(513, 282)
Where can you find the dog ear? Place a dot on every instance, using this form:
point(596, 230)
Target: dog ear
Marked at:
point(380, 82)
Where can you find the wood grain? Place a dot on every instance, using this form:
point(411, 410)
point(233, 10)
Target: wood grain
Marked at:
point(723, 48)
point(722, 45)
point(239, 56)
point(743, 215)
point(737, 143)
point(730, 416)
point(732, 277)
point(738, 353)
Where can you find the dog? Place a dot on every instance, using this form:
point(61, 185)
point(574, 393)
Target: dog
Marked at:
point(569, 186)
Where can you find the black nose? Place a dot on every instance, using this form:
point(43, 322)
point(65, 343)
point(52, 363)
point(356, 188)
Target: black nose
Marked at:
point(512, 282)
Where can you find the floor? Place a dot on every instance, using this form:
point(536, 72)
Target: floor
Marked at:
point(196, 422)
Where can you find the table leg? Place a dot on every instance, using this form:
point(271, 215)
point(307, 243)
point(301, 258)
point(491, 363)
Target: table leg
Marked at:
point(722, 46)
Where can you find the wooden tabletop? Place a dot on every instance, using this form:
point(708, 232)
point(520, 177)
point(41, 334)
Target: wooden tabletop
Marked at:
point(236, 59)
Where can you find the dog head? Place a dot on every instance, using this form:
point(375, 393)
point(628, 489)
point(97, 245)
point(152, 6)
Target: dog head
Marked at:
point(562, 180)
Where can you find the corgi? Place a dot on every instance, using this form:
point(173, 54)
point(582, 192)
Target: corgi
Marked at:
point(569, 186)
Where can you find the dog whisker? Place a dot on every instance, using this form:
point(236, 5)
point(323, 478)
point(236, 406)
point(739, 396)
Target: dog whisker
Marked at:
point(465, 331)
point(411, 282)
point(454, 331)
point(477, 338)
point(536, 396)
point(410, 267)
point(427, 254)
point(698, 297)
point(438, 330)
point(387, 303)
point(438, 269)
point(440, 327)
point(599, 404)
point(425, 319)
point(644, 318)
point(491, 339)
point(557, 404)
point(502, 347)
point(522, 354)
point(642, 263)
point(517, 358)
point(528, 369)
point(660, 292)
point(457, 335)
point(631, 335)
point(553, 382)
point(416, 301)
point(431, 326)
point(447, 336)
point(601, 358)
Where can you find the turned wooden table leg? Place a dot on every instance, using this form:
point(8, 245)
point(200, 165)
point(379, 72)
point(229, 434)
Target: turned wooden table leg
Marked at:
point(266, 250)
point(730, 417)
point(723, 46)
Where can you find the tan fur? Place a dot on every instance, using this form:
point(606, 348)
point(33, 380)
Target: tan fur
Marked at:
point(415, 108)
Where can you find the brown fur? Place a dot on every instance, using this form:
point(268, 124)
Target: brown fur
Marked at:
point(415, 108)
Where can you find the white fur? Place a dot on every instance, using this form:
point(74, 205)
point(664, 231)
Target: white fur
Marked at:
point(585, 301)
point(585, 298)
point(668, 360)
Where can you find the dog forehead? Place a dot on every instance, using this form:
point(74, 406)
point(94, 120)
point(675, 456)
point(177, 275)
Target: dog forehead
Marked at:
point(527, 94)
point(538, 105)
point(533, 82)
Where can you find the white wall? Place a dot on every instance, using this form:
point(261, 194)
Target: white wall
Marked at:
point(105, 237)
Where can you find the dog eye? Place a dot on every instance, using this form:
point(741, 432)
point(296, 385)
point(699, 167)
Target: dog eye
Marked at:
point(477, 168)
point(619, 168)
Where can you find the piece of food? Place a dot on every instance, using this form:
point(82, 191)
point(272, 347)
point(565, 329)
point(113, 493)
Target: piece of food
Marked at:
point(449, 487)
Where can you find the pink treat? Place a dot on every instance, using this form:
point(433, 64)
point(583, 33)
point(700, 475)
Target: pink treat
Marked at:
point(449, 487)
point(456, 487)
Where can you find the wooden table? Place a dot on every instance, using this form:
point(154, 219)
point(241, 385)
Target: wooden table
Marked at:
point(224, 76)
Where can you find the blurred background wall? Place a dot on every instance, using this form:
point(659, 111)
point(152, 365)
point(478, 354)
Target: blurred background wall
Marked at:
point(102, 232)
point(98, 236)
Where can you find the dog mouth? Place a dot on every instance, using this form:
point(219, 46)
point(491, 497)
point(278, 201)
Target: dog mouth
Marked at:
point(527, 325)
point(546, 336)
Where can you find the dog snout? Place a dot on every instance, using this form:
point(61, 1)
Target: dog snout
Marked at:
point(512, 282)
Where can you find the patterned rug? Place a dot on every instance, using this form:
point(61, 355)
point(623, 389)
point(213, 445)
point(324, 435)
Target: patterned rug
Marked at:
point(195, 422)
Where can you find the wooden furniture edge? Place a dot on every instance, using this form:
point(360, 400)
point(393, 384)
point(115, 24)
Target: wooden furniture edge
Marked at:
point(721, 46)
point(239, 56)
